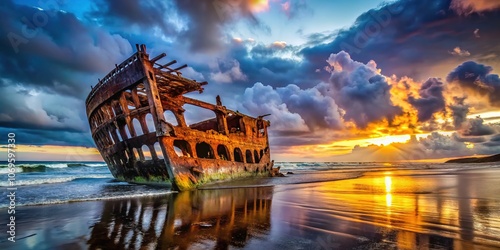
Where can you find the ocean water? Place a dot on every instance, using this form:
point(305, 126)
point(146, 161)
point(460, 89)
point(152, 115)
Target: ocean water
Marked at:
point(41, 183)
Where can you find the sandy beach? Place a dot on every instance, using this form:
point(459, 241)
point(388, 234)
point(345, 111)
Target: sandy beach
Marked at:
point(387, 209)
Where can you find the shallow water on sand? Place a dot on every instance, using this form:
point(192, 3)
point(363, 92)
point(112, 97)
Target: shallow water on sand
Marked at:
point(432, 207)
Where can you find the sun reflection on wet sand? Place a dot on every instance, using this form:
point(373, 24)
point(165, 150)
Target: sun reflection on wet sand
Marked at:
point(421, 208)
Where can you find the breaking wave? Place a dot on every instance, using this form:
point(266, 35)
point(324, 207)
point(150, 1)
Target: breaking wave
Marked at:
point(43, 167)
point(51, 180)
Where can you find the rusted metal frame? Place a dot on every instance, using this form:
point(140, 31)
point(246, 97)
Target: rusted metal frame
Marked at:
point(176, 70)
point(141, 154)
point(154, 100)
point(201, 104)
point(135, 98)
point(228, 143)
point(120, 121)
point(222, 122)
point(153, 151)
point(111, 74)
point(191, 84)
point(158, 57)
point(126, 113)
point(119, 82)
point(156, 108)
point(113, 120)
point(179, 116)
point(174, 104)
point(165, 66)
point(142, 121)
point(139, 141)
point(112, 129)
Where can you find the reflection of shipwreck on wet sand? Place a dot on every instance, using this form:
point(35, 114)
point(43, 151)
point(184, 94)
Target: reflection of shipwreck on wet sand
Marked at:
point(231, 145)
point(201, 219)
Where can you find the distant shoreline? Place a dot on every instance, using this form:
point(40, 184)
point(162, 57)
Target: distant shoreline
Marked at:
point(491, 158)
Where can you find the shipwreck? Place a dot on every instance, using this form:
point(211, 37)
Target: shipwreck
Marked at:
point(137, 119)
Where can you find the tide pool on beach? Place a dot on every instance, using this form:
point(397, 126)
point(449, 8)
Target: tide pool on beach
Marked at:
point(320, 206)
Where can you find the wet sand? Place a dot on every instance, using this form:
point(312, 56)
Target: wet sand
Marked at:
point(393, 209)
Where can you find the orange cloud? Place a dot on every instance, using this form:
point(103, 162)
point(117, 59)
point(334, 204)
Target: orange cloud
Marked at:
point(470, 6)
point(279, 44)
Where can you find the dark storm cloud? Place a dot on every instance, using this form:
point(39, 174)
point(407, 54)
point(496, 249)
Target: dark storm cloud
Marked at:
point(495, 138)
point(477, 78)
point(38, 110)
point(431, 99)
point(360, 91)
point(258, 62)
point(473, 139)
point(146, 14)
point(53, 50)
point(48, 61)
point(476, 127)
point(50, 137)
point(459, 111)
point(410, 37)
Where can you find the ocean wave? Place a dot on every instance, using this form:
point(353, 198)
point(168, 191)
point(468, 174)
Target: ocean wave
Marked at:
point(42, 167)
point(70, 165)
point(6, 170)
point(52, 180)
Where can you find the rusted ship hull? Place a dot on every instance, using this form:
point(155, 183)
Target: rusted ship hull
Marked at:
point(127, 113)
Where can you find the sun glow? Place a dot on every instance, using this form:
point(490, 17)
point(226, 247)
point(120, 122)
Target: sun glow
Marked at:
point(259, 5)
point(53, 153)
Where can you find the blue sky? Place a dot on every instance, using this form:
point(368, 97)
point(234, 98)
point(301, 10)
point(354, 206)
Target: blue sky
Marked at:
point(340, 78)
point(315, 17)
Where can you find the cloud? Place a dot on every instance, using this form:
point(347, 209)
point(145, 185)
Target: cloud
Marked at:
point(278, 45)
point(471, 6)
point(431, 99)
point(476, 127)
point(191, 73)
point(442, 144)
point(292, 108)
point(260, 100)
point(46, 69)
point(59, 55)
point(360, 90)
point(228, 71)
point(206, 20)
point(471, 139)
point(476, 33)
point(434, 146)
point(459, 111)
point(22, 108)
point(144, 14)
point(50, 137)
point(415, 38)
point(457, 51)
point(477, 78)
